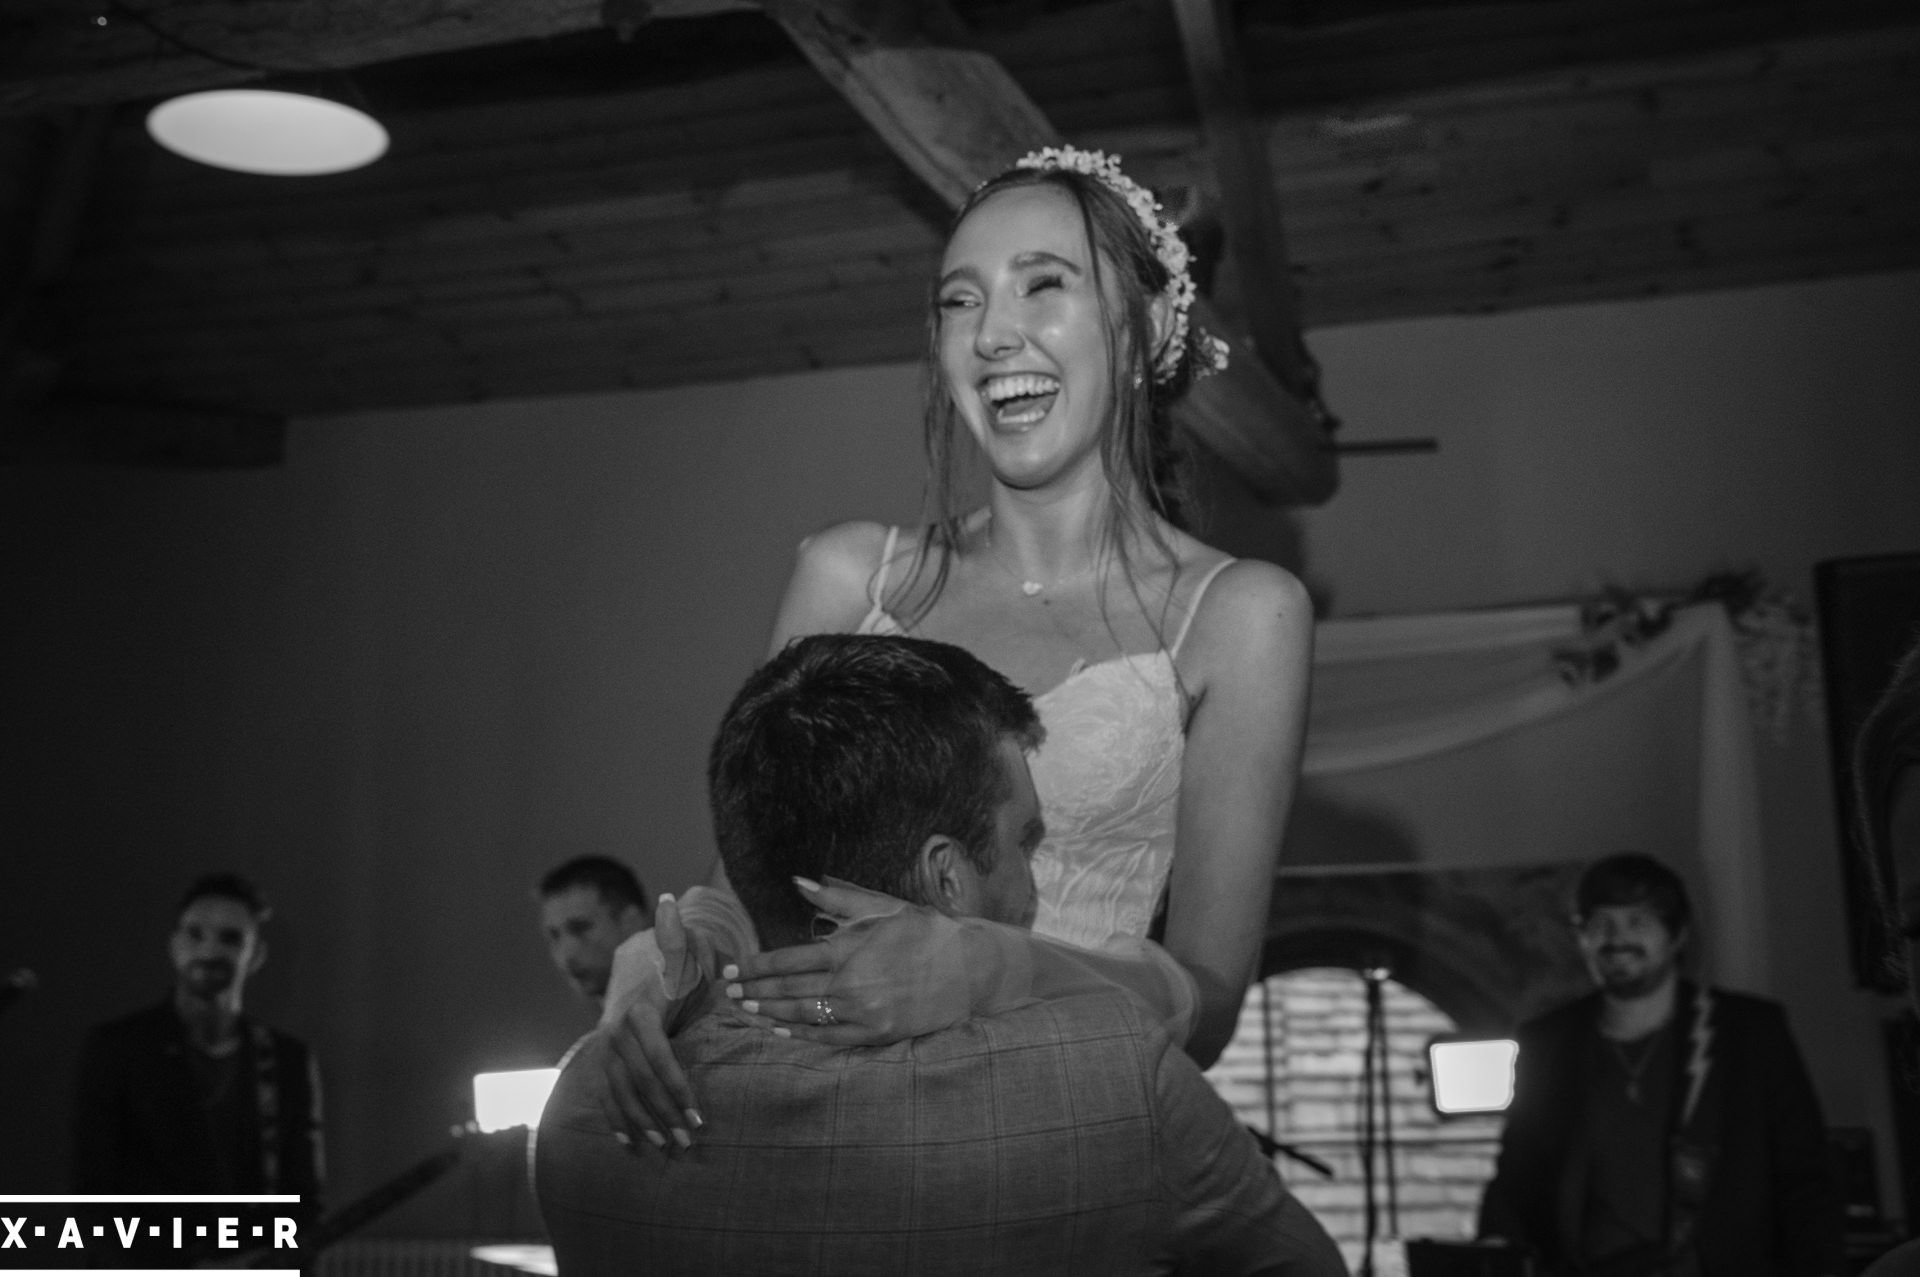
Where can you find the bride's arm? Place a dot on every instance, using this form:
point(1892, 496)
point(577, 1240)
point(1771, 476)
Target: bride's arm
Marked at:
point(1248, 657)
point(1139, 968)
point(894, 970)
point(661, 976)
point(710, 912)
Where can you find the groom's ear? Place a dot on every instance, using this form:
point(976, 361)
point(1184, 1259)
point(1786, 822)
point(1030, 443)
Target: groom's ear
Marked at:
point(945, 881)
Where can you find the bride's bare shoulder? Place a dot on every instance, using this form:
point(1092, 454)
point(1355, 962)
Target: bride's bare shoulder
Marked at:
point(833, 575)
point(1254, 615)
point(843, 554)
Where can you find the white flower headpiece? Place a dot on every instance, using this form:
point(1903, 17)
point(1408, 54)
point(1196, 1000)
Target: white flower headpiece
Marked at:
point(1167, 246)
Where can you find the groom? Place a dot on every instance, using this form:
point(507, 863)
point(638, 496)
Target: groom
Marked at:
point(1067, 1136)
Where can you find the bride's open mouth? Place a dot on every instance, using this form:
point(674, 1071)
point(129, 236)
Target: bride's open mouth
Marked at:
point(1019, 399)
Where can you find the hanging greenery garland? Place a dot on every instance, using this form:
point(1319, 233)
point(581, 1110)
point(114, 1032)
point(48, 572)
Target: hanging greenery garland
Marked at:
point(1779, 657)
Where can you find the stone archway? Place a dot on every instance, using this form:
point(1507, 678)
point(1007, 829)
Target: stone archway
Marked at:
point(1482, 948)
point(1490, 947)
point(1294, 1069)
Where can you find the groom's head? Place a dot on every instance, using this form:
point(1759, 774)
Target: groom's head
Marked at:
point(895, 764)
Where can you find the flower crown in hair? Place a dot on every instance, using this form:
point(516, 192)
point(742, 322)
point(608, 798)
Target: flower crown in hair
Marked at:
point(1167, 246)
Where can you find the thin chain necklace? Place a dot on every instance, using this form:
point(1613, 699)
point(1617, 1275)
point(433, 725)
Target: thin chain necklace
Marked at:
point(1635, 1070)
point(1028, 586)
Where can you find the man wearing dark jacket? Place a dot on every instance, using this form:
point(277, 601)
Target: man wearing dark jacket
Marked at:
point(192, 1096)
point(1661, 1128)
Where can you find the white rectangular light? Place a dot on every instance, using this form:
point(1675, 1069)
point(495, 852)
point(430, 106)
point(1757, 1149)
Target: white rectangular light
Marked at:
point(502, 1101)
point(1472, 1076)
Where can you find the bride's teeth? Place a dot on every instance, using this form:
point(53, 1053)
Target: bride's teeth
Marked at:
point(1019, 386)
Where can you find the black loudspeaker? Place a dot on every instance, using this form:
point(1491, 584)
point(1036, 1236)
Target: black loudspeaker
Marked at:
point(1869, 617)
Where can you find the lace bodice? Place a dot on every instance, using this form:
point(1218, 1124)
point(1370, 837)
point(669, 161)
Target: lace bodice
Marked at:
point(1108, 779)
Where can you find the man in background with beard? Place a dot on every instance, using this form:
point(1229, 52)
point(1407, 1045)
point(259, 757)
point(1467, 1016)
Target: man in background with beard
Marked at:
point(1661, 1128)
point(191, 1095)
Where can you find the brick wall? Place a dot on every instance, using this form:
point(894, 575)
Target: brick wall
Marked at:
point(1318, 1018)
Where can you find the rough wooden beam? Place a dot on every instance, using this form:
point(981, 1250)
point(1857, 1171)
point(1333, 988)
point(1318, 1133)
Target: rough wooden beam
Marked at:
point(57, 55)
point(950, 111)
point(88, 54)
point(1257, 248)
point(1249, 207)
point(956, 117)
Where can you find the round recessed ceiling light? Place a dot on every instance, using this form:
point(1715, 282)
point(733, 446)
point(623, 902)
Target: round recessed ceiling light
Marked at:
point(270, 131)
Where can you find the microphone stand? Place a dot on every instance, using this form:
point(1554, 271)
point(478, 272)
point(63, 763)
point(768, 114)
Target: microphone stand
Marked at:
point(367, 1207)
point(1273, 1147)
point(1376, 1118)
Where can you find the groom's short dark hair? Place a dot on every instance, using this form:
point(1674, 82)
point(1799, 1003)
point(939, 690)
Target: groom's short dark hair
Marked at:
point(843, 754)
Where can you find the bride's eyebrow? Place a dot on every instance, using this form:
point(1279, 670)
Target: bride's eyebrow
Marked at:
point(1021, 261)
point(1040, 257)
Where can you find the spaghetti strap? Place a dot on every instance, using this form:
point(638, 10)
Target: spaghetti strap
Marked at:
point(877, 594)
point(1193, 608)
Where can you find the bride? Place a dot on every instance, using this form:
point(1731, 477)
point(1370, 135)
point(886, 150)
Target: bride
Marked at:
point(1171, 679)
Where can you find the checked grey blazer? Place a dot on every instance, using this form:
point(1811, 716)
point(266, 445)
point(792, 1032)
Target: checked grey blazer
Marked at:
point(1065, 1137)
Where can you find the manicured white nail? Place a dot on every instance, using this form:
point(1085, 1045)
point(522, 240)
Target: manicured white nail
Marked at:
point(659, 1140)
point(750, 1007)
point(783, 1033)
point(806, 884)
point(736, 992)
point(681, 1138)
point(730, 972)
point(693, 1117)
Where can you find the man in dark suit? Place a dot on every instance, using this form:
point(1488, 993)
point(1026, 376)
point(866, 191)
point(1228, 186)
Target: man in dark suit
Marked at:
point(1065, 1136)
point(1661, 1128)
point(588, 906)
point(192, 1095)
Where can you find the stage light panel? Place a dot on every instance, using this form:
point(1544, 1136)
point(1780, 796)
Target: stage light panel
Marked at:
point(1472, 1075)
point(502, 1101)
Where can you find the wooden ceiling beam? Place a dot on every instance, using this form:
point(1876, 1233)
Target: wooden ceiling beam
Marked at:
point(58, 55)
point(956, 117)
point(92, 54)
point(1249, 205)
point(951, 112)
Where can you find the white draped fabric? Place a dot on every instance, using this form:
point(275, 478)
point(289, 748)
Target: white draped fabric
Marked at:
point(1393, 691)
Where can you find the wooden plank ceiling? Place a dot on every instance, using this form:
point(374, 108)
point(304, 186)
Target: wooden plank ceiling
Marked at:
point(576, 213)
